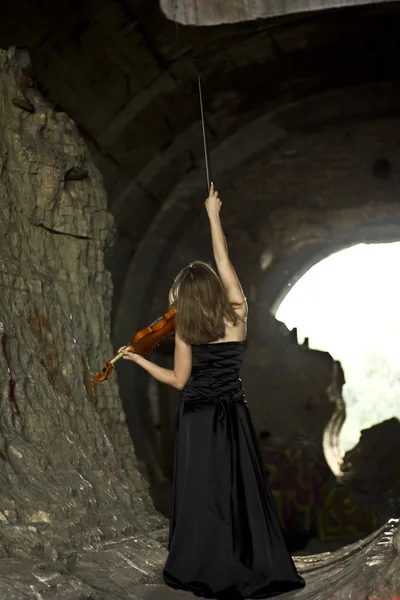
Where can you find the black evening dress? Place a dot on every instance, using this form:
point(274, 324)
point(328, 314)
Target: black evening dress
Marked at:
point(225, 539)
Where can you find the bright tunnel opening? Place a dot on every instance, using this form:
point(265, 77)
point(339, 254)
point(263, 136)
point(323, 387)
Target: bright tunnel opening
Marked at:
point(349, 305)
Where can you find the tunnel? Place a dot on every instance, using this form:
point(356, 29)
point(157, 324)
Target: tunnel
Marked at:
point(102, 190)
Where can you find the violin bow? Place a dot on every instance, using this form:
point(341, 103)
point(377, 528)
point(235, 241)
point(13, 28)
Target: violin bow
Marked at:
point(206, 155)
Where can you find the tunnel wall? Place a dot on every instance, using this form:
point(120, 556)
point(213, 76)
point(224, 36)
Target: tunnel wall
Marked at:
point(69, 475)
point(296, 186)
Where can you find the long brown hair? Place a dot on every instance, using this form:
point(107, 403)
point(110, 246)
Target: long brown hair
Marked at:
point(202, 304)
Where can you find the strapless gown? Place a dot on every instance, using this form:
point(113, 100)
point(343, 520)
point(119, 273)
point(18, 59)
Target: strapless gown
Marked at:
point(225, 539)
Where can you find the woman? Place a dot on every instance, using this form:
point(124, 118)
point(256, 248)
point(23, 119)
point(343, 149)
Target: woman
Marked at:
point(225, 539)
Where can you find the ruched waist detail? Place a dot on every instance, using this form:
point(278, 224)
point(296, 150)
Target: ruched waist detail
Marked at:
point(206, 391)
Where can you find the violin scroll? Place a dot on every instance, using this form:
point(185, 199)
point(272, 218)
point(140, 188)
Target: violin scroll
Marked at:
point(103, 375)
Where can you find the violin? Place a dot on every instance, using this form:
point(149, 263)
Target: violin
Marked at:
point(145, 340)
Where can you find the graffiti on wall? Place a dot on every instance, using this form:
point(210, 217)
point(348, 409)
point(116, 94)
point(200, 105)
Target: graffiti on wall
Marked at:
point(309, 499)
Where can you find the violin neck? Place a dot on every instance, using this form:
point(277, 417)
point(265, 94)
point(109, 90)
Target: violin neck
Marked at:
point(114, 360)
point(120, 355)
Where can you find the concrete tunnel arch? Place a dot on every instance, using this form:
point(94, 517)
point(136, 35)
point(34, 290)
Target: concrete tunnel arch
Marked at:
point(183, 203)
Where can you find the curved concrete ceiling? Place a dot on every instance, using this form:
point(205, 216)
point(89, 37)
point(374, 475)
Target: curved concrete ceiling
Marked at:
point(215, 12)
point(128, 77)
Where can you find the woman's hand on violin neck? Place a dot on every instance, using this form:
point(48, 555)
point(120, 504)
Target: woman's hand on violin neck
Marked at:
point(128, 354)
point(213, 203)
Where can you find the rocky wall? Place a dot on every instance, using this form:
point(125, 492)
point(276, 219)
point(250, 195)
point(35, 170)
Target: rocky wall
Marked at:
point(68, 474)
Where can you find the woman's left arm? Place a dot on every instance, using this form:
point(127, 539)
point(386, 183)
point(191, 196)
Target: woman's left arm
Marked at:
point(176, 377)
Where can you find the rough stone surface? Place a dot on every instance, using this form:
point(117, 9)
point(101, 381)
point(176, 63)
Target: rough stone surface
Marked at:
point(215, 12)
point(367, 570)
point(68, 474)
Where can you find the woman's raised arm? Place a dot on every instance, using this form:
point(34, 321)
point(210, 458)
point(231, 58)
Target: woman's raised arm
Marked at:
point(225, 268)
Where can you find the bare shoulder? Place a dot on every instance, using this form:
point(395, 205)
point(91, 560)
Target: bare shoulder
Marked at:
point(241, 309)
point(182, 361)
point(237, 332)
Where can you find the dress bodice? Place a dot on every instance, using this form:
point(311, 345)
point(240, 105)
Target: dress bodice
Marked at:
point(215, 371)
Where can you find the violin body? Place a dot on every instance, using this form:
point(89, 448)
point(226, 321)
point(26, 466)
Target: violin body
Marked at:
point(148, 338)
point(145, 340)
